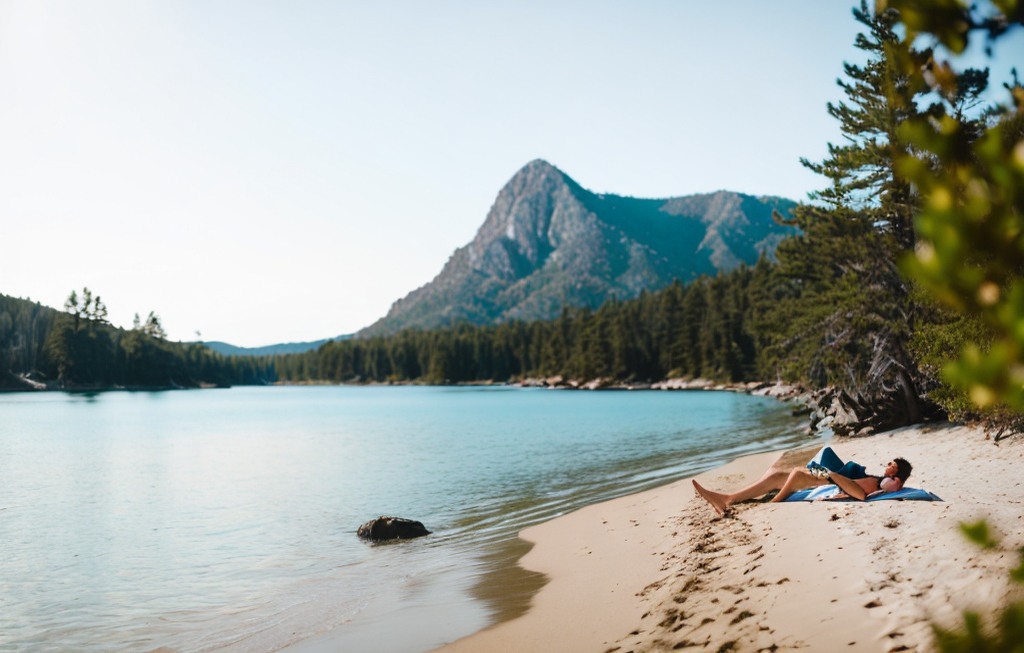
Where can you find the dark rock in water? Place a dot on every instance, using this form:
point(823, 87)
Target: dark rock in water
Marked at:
point(391, 528)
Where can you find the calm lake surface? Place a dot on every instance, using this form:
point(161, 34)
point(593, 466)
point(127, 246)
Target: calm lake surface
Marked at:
point(224, 520)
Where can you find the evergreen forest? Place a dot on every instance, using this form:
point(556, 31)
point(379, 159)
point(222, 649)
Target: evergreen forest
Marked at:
point(78, 349)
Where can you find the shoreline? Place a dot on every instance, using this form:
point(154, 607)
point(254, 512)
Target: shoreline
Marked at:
point(778, 390)
point(659, 570)
point(507, 588)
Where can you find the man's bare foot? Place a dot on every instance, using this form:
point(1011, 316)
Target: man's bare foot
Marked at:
point(716, 500)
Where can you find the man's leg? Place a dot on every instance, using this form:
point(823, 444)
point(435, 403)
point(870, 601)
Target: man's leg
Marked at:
point(799, 479)
point(721, 502)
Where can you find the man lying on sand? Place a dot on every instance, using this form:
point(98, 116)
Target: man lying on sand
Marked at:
point(860, 486)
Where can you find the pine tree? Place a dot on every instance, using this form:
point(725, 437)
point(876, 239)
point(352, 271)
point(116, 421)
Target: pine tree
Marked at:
point(153, 327)
point(850, 314)
point(880, 97)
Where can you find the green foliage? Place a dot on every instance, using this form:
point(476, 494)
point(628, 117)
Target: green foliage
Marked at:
point(980, 534)
point(972, 223)
point(951, 21)
point(79, 349)
point(1008, 635)
point(940, 336)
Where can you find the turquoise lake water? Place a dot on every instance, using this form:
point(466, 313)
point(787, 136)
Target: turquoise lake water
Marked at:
point(224, 520)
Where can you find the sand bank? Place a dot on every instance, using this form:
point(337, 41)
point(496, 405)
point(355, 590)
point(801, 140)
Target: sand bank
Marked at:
point(660, 571)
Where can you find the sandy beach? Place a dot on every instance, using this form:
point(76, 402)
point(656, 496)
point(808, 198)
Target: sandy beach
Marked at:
point(661, 571)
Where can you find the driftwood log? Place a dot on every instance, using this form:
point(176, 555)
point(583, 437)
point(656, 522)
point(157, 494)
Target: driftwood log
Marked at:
point(851, 414)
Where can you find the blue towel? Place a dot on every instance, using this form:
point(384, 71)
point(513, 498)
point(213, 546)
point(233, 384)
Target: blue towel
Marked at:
point(826, 491)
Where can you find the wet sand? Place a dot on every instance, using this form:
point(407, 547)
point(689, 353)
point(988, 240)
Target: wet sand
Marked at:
point(661, 571)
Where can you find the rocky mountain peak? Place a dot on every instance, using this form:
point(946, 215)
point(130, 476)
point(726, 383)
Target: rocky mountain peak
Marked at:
point(516, 235)
point(547, 242)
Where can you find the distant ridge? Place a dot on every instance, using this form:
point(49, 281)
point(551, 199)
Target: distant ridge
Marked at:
point(226, 349)
point(547, 243)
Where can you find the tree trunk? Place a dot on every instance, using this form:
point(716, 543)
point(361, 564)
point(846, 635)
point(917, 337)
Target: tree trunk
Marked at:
point(910, 398)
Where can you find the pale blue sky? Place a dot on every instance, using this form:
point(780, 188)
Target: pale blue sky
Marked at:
point(280, 171)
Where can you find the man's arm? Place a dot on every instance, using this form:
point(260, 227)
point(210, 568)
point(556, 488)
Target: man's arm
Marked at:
point(849, 486)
